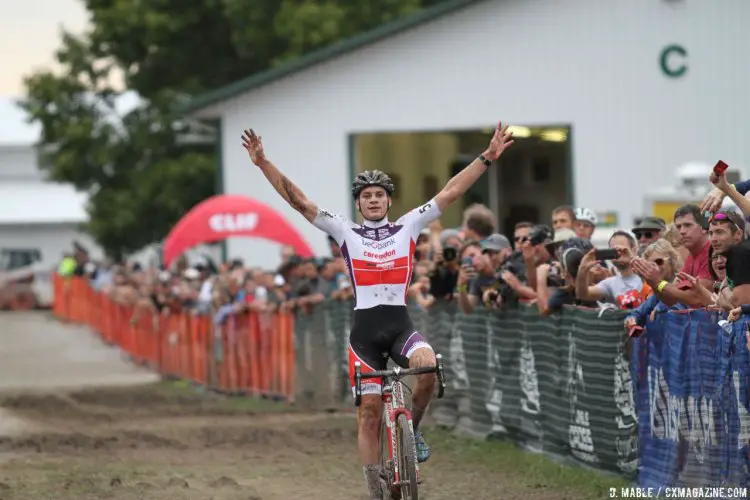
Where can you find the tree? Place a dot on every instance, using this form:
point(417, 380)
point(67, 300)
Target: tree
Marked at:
point(142, 179)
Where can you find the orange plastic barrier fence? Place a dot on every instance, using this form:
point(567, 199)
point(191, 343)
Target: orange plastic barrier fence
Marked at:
point(250, 353)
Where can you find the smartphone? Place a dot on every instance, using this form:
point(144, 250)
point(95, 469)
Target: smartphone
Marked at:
point(467, 261)
point(606, 254)
point(720, 167)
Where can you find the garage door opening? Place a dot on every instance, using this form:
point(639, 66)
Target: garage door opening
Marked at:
point(533, 176)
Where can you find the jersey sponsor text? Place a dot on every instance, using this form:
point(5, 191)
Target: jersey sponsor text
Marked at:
point(378, 245)
point(380, 256)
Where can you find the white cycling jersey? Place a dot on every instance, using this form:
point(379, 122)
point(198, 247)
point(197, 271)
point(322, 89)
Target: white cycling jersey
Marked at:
point(380, 257)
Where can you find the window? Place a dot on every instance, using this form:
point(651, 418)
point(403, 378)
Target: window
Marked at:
point(429, 187)
point(540, 168)
point(396, 179)
point(14, 259)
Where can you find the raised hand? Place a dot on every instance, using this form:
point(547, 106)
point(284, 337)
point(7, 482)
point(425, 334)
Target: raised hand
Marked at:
point(254, 146)
point(720, 181)
point(501, 140)
point(713, 200)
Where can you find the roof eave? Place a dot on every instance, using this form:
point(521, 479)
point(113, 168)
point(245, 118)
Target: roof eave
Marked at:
point(198, 106)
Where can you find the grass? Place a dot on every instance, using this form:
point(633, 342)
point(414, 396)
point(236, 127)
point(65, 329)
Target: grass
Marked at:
point(532, 470)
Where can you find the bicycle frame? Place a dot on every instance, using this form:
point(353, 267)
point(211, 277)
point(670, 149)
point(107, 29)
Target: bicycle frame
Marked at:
point(394, 406)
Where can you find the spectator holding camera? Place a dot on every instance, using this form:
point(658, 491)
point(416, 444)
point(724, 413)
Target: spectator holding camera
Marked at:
point(536, 253)
point(473, 264)
point(444, 275)
point(626, 290)
point(515, 264)
point(488, 286)
point(550, 275)
point(571, 254)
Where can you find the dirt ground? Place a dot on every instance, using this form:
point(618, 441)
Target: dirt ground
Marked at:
point(162, 441)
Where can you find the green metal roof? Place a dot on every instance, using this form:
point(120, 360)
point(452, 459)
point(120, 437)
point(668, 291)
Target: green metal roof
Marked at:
point(254, 81)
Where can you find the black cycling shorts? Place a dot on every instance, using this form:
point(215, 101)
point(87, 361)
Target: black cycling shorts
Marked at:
point(378, 333)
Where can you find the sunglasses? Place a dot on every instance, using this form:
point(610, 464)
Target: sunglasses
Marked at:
point(644, 234)
point(722, 217)
point(520, 239)
point(487, 251)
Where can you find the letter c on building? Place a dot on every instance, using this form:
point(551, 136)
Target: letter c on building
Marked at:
point(669, 53)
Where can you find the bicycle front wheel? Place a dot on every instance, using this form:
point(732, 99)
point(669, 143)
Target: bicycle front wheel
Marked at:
point(407, 459)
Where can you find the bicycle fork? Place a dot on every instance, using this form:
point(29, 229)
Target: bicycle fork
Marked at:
point(392, 409)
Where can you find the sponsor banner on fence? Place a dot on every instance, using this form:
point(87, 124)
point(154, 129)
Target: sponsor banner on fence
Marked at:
point(692, 399)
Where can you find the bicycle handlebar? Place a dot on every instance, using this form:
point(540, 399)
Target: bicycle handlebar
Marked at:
point(397, 374)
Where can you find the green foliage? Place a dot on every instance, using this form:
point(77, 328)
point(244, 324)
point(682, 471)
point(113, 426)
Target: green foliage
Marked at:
point(141, 177)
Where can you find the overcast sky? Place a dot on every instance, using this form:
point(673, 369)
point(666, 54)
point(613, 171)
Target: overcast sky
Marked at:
point(29, 35)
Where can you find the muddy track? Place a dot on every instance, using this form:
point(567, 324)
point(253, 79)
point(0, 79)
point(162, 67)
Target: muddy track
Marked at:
point(109, 437)
point(148, 443)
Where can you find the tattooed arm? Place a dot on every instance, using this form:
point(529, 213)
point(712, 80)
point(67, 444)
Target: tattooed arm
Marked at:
point(286, 188)
point(291, 193)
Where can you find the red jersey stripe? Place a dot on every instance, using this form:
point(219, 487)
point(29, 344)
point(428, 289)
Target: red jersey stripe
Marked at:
point(380, 266)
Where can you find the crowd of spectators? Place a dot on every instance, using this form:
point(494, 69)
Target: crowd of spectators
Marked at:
point(696, 261)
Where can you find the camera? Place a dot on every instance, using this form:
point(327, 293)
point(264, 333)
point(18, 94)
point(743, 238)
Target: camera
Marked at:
point(540, 234)
point(450, 254)
point(555, 277)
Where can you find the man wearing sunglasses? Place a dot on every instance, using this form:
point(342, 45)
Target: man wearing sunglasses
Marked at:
point(648, 231)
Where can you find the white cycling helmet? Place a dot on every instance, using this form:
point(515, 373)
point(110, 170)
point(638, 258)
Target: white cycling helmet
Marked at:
point(586, 215)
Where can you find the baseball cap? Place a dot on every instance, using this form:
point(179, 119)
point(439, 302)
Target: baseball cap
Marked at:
point(495, 242)
point(651, 224)
point(728, 216)
point(562, 235)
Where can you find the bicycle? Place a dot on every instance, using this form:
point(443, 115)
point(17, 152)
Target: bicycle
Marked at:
point(398, 455)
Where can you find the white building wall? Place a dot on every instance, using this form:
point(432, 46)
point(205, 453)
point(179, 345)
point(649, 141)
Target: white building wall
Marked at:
point(529, 62)
point(18, 163)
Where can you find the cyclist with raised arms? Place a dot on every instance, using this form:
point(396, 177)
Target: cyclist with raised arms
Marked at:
point(379, 255)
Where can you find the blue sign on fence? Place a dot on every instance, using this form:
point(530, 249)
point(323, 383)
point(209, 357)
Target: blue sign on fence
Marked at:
point(691, 380)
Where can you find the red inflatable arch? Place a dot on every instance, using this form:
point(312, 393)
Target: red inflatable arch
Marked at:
point(224, 216)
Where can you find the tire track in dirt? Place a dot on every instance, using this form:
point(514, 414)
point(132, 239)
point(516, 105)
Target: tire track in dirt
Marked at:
point(147, 425)
point(154, 444)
